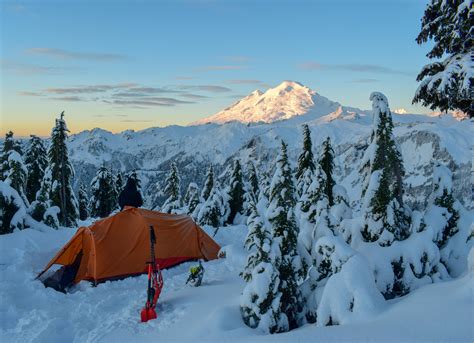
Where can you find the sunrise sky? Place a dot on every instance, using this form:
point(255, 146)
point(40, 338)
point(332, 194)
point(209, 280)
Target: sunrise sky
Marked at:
point(135, 64)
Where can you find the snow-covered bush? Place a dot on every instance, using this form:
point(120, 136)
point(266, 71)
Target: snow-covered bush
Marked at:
point(12, 209)
point(215, 210)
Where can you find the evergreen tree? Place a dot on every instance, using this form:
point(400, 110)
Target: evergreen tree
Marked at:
point(447, 84)
point(172, 191)
point(326, 161)
point(191, 198)
point(16, 175)
point(36, 161)
point(131, 194)
point(83, 203)
point(208, 184)
point(12, 209)
point(104, 199)
point(306, 166)
point(41, 203)
point(236, 192)
point(386, 217)
point(253, 180)
point(62, 174)
point(261, 298)
point(215, 210)
point(284, 235)
point(9, 144)
point(119, 183)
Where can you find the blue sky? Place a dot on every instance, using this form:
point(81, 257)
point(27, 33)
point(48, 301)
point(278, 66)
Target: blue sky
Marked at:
point(98, 59)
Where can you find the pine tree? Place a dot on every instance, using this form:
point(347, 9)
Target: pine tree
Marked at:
point(306, 166)
point(41, 203)
point(191, 198)
point(253, 181)
point(326, 161)
point(131, 194)
point(119, 183)
point(172, 191)
point(236, 192)
point(36, 161)
point(12, 209)
point(83, 203)
point(104, 199)
point(215, 210)
point(284, 234)
point(386, 217)
point(208, 184)
point(447, 84)
point(9, 144)
point(16, 175)
point(62, 174)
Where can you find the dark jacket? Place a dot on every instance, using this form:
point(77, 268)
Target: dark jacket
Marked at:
point(130, 196)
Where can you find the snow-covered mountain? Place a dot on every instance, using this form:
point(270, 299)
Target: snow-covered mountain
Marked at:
point(285, 101)
point(422, 139)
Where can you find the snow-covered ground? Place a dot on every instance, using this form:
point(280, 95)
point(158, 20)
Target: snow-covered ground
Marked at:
point(210, 313)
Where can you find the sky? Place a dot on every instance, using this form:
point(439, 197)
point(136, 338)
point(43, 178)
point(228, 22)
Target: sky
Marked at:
point(130, 64)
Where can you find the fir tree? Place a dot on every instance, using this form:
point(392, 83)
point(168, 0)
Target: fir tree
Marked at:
point(191, 198)
point(16, 175)
point(253, 181)
point(306, 165)
point(62, 173)
point(447, 84)
point(285, 231)
point(9, 144)
point(83, 203)
point(172, 190)
point(386, 217)
point(104, 199)
point(41, 203)
point(236, 192)
point(12, 209)
point(326, 161)
point(208, 184)
point(131, 194)
point(215, 210)
point(36, 161)
point(119, 183)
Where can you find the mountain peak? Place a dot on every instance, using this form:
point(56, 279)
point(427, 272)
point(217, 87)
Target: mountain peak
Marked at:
point(287, 100)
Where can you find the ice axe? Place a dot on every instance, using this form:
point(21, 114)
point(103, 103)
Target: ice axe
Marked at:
point(155, 283)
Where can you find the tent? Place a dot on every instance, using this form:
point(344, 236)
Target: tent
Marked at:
point(119, 246)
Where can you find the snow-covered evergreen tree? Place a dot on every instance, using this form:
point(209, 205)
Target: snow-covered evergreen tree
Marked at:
point(208, 184)
point(62, 174)
point(12, 209)
point(447, 84)
point(341, 209)
point(83, 203)
point(306, 165)
point(215, 210)
point(284, 234)
point(172, 191)
point(9, 144)
point(326, 162)
point(236, 192)
point(386, 217)
point(119, 183)
point(36, 161)
point(191, 198)
point(252, 180)
point(42, 203)
point(103, 196)
point(16, 175)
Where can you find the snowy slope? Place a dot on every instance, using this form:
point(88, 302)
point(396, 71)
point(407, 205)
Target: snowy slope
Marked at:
point(285, 101)
point(110, 312)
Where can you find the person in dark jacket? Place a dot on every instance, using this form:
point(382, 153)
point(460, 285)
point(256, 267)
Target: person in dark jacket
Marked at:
point(130, 195)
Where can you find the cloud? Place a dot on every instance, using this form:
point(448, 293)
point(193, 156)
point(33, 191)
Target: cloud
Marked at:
point(146, 103)
point(364, 68)
point(365, 80)
point(75, 55)
point(67, 98)
point(33, 69)
point(244, 82)
point(89, 89)
point(152, 90)
point(221, 67)
point(171, 101)
point(136, 121)
point(26, 93)
point(207, 88)
point(193, 96)
point(237, 58)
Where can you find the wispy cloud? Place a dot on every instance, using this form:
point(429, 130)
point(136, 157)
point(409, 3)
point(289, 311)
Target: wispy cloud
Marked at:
point(67, 98)
point(206, 88)
point(136, 121)
point(364, 68)
point(365, 80)
point(244, 82)
point(26, 93)
point(75, 55)
point(193, 96)
point(237, 58)
point(33, 69)
point(221, 67)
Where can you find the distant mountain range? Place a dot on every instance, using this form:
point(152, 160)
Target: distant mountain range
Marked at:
point(252, 128)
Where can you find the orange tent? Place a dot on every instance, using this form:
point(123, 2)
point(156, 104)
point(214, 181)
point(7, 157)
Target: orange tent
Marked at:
point(119, 246)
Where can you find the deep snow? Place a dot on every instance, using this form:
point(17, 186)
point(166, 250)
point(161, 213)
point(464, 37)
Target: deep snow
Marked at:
point(110, 312)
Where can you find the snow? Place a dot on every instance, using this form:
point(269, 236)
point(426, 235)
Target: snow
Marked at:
point(110, 311)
